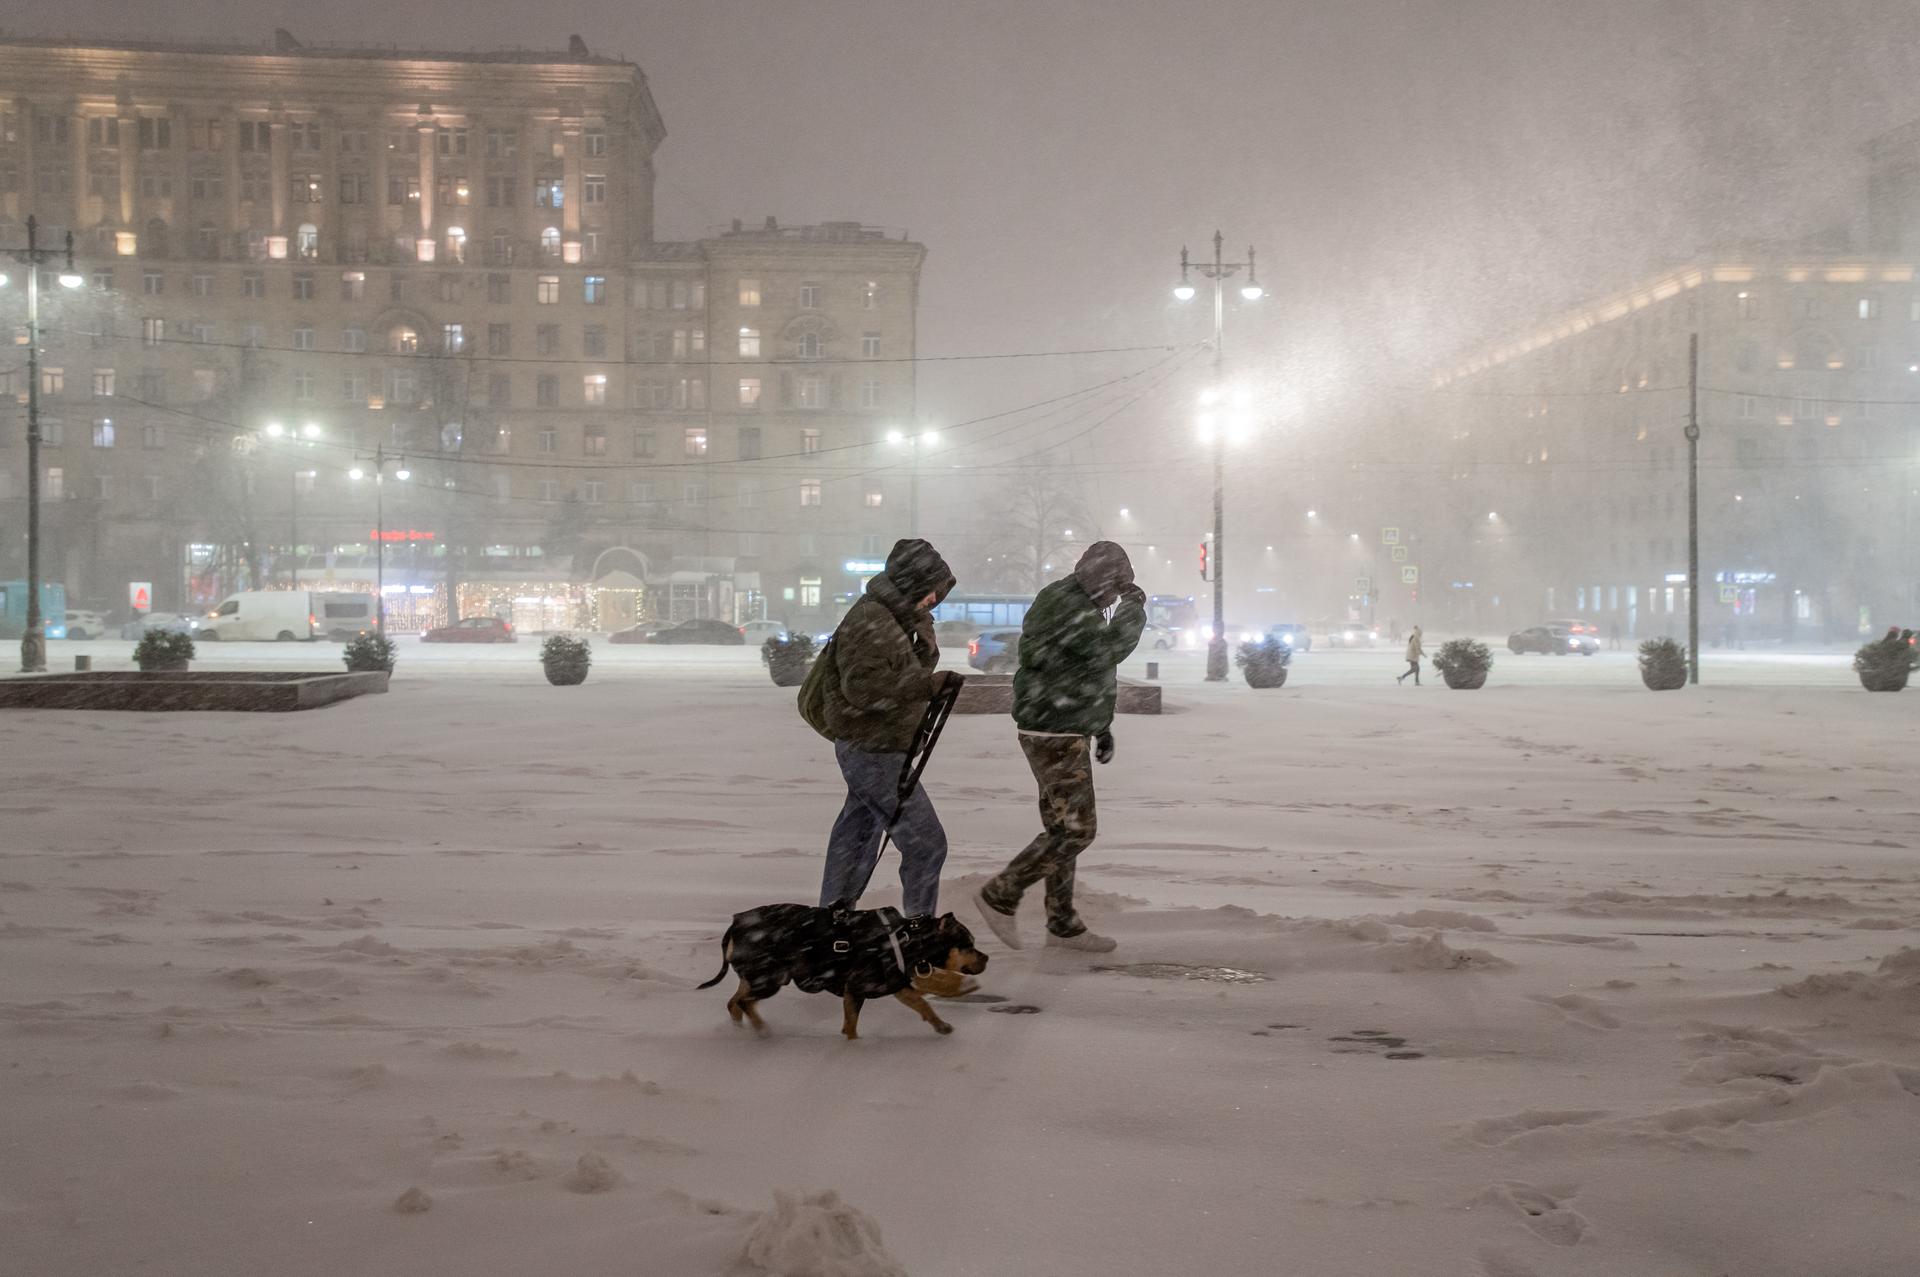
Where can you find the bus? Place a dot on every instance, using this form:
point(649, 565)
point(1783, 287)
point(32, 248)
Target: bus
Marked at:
point(987, 611)
point(13, 609)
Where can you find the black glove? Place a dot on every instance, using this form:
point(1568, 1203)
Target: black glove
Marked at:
point(1103, 747)
point(1131, 592)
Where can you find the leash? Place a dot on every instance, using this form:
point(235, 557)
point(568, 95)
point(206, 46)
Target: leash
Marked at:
point(925, 737)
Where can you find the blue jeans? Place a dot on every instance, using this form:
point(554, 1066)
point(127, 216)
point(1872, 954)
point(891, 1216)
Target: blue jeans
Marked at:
point(853, 849)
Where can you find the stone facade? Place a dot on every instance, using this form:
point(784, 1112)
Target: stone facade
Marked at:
point(442, 263)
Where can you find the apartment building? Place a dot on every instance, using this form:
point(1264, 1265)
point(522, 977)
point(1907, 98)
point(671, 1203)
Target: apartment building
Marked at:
point(306, 264)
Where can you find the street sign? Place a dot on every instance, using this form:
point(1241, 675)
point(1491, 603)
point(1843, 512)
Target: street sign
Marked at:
point(1363, 585)
point(140, 596)
point(1389, 536)
point(1409, 574)
point(1729, 594)
point(1399, 554)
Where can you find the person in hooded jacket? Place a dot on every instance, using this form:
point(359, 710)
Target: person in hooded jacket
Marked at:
point(1077, 631)
point(1415, 650)
point(884, 655)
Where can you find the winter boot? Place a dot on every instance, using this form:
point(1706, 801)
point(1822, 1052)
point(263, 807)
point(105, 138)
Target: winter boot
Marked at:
point(1003, 925)
point(1084, 941)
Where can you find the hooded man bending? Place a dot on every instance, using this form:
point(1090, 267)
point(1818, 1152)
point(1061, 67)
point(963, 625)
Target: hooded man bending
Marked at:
point(1077, 631)
point(883, 656)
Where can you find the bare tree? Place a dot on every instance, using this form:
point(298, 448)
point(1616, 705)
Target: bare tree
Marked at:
point(1039, 519)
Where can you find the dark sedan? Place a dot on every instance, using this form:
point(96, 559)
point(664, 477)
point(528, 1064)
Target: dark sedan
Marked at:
point(717, 633)
point(1551, 640)
point(475, 629)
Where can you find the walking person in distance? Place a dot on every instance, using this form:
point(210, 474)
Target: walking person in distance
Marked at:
point(1415, 650)
point(1077, 631)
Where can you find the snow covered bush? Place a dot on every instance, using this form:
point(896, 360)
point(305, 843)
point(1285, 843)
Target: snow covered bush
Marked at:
point(369, 653)
point(1264, 663)
point(1663, 664)
point(1464, 663)
point(1884, 664)
point(163, 650)
point(565, 659)
point(787, 658)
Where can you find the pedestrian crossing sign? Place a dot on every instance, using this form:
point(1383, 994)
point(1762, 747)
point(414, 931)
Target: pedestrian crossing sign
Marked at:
point(1409, 574)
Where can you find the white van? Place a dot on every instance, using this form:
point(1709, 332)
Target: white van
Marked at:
point(287, 615)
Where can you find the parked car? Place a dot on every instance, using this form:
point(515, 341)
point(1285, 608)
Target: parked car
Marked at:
point(995, 651)
point(82, 624)
point(955, 631)
point(717, 633)
point(1574, 625)
point(758, 632)
point(159, 623)
point(1297, 637)
point(1552, 640)
point(1160, 638)
point(1353, 634)
point(288, 615)
point(640, 633)
point(474, 629)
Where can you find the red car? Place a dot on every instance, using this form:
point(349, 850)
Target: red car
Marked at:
point(475, 629)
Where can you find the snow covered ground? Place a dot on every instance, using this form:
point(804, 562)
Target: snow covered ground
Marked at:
point(1560, 977)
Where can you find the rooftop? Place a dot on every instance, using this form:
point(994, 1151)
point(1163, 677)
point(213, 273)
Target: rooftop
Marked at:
point(285, 45)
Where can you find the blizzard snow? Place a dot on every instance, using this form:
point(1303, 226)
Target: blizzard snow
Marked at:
point(1559, 977)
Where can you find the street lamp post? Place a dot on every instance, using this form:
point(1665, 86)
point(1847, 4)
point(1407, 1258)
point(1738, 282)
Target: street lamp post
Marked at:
point(1219, 271)
point(33, 640)
point(380, 459)
point(898, 438)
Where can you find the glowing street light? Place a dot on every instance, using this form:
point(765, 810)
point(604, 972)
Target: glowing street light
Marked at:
point(900, 438)
point(1219, 271)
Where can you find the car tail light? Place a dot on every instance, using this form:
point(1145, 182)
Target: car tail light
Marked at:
point(509, 625)
point(312, 620)
point(973, 647)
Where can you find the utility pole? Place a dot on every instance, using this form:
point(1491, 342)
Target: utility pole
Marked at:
point(380, 458)
point(1219, 271)
point(33, 640)
point(1693, 508)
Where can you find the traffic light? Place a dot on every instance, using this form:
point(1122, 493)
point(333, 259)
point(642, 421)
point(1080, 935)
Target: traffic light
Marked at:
point(1203, 561)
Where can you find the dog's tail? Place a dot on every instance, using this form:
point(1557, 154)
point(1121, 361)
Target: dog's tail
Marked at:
point(726, 943)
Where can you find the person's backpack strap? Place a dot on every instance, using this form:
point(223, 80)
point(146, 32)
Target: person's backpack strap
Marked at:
point(813, 691)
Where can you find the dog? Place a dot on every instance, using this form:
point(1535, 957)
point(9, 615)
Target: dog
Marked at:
point(858, 954)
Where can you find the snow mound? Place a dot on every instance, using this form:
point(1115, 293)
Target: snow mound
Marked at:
point(415, 1201)
point(1898, 976)
point(817, 1235)
point(1442, 919)
point(592, 1174)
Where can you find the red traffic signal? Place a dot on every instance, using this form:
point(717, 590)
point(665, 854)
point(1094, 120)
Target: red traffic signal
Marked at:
point(1203, 561)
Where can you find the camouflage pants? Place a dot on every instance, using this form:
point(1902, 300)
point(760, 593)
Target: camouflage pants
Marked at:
point(1063, 766)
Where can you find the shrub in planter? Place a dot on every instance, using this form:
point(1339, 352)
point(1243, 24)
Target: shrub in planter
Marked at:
point(565, 659)
point(1464, 663)
point(1884, 664)
point(1663, 664)
point(369, 653)
point(1264, 663)
point(163, 650)
point(787, 658)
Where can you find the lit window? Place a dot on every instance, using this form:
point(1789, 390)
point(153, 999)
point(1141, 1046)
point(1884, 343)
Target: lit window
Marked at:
point(870, 298)
point(810, 492)
point(696, 441)
point(873, 500)
point(594, 386)
point(594, 289)
point(103, 433)
point(547, 290)
point(749, 392)
point(1869, 308)
point(103, 383)
point(406, 340)
point(453, 338)
point(749, 292)
point(749, 343)
point(53, 381)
